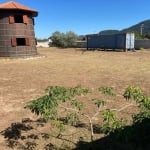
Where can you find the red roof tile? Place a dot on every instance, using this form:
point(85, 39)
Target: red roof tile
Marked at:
point(11, 5)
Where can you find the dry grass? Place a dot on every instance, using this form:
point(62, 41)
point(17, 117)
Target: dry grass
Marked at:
point(24, 79)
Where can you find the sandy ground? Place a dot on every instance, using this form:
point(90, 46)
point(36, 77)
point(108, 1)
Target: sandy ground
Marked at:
point(22, 80)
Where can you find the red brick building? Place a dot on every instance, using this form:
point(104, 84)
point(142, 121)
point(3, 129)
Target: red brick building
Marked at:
point(17, 36)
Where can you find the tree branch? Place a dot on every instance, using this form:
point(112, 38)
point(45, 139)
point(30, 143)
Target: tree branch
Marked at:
point(87, 116)
point(126, 106)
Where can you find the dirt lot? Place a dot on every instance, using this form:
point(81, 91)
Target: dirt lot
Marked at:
point(22, 80)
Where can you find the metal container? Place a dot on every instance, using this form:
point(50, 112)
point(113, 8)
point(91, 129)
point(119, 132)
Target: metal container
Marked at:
point(117, 41)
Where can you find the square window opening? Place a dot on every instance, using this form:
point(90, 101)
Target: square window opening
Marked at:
point(21, 41)
point(18, 18)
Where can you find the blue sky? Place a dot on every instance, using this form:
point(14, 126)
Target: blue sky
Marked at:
point(86, 16)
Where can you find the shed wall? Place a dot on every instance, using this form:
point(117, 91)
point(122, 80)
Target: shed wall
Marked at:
point(142, 44)
point(118, 41)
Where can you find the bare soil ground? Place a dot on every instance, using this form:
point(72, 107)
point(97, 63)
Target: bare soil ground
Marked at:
point(22, 80)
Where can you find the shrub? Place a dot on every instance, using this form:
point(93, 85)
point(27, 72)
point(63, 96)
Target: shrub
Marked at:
point(64, 40)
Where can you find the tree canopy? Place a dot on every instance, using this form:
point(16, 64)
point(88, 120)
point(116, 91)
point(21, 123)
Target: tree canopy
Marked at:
point(64, 40)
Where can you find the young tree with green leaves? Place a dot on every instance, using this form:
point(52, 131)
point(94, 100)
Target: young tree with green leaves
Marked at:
point(54, 101)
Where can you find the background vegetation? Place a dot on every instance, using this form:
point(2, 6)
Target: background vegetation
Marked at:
point(144, 26)
point(68, 39)
point(60, 39)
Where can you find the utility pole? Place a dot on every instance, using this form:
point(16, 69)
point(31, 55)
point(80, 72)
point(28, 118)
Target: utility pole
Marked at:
point(141, 28)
